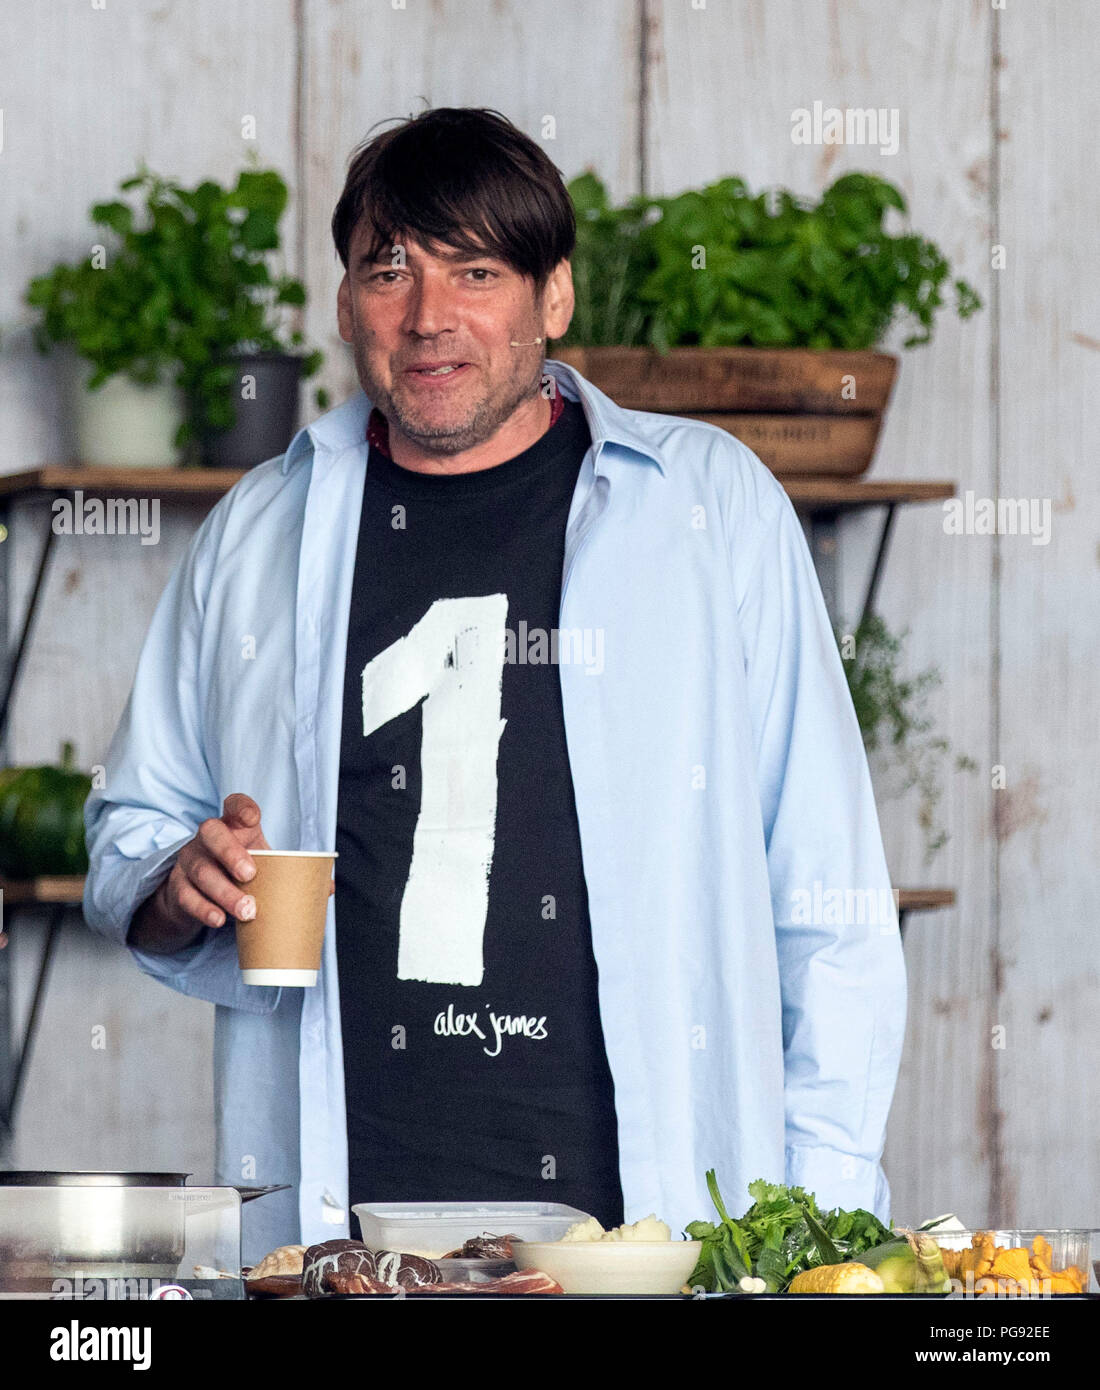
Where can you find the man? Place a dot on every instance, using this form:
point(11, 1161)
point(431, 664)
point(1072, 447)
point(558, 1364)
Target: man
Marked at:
point(557, 681)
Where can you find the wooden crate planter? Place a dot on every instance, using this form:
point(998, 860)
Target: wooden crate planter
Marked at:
point(789, 405)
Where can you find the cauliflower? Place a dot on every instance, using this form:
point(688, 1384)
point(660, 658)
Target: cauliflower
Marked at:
point(649, 1228)
point(585, 1230)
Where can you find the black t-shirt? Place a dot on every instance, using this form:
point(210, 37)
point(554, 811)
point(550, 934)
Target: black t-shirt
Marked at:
point(474, 1059)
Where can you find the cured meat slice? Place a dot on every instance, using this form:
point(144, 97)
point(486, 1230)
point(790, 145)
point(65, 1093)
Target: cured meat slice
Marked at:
point(275, 1286)
point(484, 1247)
point(489, 1247)
point(335, 1282)
point(408, 1271)
point(349, 1267)
point(331, 1257)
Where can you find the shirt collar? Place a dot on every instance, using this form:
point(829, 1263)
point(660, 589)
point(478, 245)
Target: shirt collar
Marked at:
point(337, 429)
point(345, 426)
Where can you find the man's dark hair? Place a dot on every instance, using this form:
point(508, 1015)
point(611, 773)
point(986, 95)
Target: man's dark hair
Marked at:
point(452, 175)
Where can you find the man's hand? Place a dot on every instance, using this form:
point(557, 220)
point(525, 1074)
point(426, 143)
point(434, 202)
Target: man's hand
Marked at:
point(200, 891)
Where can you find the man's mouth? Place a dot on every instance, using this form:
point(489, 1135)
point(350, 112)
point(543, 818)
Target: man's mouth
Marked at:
point(435, 370)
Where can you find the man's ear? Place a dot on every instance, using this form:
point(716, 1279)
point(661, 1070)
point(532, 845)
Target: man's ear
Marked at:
point(557, 301)
point(343, 309)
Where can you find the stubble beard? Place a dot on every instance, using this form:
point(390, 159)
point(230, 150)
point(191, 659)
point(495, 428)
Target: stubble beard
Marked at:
point(487, 415)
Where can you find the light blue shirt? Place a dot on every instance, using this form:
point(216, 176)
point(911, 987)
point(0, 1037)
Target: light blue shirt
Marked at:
point(751, 978)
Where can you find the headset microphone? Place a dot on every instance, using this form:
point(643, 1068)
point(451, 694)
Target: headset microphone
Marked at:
point(531, 344)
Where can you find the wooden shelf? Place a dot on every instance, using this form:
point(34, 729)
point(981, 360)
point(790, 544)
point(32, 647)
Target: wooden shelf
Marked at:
point(846, 494)
point(823, 494)
point(925, 899)
point(178, 482)
point(59, 889)
point(71, 890)
point(842, 494)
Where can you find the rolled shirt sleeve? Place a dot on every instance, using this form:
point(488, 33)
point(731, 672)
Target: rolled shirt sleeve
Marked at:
point(842, 973)
point(157, 790)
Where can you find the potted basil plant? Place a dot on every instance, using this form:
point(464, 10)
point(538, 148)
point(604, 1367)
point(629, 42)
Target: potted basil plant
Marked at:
point(177, 324)
point(760, 314)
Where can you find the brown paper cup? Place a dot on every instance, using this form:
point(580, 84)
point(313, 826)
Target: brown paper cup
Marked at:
point(282, 943)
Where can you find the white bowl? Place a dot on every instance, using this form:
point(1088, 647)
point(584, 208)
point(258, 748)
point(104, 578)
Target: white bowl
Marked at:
point(611, 1266)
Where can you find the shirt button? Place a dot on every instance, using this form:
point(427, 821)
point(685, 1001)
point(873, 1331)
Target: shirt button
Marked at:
point(307, 722)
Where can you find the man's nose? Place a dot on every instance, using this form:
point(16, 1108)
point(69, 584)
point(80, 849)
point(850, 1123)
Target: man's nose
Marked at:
point(431, 309)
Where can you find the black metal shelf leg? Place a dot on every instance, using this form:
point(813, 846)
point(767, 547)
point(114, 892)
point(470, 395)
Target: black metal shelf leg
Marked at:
point(11, 675)
point(880, 562)
point(19, 1072)
point(823, 546)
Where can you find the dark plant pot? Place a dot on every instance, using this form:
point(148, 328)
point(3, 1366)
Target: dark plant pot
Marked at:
point(267, 412)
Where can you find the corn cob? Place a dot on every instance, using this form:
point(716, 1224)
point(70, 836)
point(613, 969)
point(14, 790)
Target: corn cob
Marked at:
point(850, 1277)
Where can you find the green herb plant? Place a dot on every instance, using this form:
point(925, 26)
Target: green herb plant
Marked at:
point(183, 283)
point(777, 1238)
point(895, 723)
point(719, 267)
point(42, 819)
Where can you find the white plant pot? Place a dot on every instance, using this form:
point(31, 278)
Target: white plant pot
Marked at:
point(123, 424)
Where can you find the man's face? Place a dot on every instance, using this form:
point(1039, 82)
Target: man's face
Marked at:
point(443, 308)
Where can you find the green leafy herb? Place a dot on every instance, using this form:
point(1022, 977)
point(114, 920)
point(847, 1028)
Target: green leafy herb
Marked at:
point(830, 1255)
point(183, 281)
point(718, 267)
point(781, 1234)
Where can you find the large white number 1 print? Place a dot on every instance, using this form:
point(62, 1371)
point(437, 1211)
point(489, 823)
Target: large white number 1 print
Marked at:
point(454, 657)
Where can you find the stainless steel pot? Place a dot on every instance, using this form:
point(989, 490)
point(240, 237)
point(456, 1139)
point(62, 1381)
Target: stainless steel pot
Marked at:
point(31, 1177)
point(91, 1219)
point(97, 1221)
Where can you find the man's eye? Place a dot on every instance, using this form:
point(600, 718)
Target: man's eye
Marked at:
point(483, 270)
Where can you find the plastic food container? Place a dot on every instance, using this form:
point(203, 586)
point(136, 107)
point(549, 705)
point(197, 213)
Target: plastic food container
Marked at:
point(467, 1271)
point(433, 1228)
point(1022, 1265)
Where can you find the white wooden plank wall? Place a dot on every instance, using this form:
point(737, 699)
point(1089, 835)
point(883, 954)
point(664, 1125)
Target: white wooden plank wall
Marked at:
point(86, 93)
point(724, 83)
point(998, 1134)
point(569, 69)
point(1047, 640)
